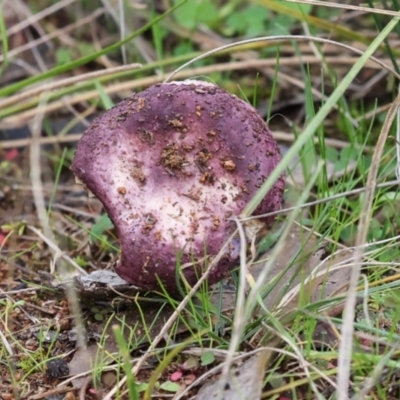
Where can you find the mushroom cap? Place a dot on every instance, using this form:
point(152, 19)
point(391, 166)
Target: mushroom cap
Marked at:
point(171, 165)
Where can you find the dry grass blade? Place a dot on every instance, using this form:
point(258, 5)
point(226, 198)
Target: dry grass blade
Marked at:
point(66, 82)
point(122, 87)
point(277, 38)
point(6, 344)
point(239, 320)
point(346, 7)
point(32, 44)
point(74, 137)
point(231, 66)
point(35, 160)
point(37, 17)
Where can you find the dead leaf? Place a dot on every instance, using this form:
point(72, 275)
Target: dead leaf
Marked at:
point(303, 268)
point(244, 382)
point(82, 361)
point(295, 176)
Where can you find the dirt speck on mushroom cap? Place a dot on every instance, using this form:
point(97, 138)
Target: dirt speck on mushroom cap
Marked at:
point(171, 165)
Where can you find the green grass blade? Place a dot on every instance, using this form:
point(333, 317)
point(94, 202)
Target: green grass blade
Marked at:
point(56, 181)
point(3, 35)
point(105, 98)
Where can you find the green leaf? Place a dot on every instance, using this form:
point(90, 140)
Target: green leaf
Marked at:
point(169, 386)
point(207, 12)
point(183, 48)
point(102, 224)
point(190, 363)
point(207, 358)
point(63, 56)
point(331, 154)
point(81, 261)
point(186, 15)
point(141, 387)
point(98, 317)
point(255, 17)
point(86, 48)
point(250, 21)
point(236, 22)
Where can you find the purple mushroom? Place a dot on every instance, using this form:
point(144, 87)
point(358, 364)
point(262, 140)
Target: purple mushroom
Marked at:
point(171, 166)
